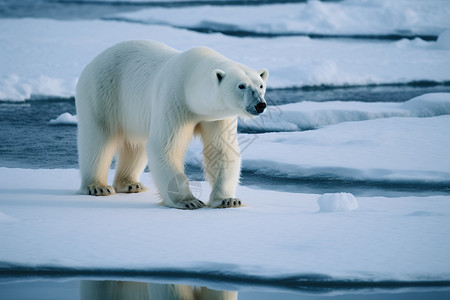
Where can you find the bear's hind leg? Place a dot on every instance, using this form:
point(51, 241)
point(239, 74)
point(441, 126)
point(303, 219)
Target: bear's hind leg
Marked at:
point(95, 156)
point(132, 161)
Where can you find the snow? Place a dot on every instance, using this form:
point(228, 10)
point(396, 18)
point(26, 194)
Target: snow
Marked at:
point(337, 202)
point(64, 119)
point(45, 223)
point(49, 65)
point(351, 17)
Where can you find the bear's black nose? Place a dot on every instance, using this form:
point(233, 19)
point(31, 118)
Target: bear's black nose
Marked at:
point(260, 107)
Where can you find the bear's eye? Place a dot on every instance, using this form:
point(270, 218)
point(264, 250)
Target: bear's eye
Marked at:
point(241, 86)
point(261, 86)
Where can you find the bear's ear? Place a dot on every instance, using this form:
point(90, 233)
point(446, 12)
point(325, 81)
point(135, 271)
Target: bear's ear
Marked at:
point(264, 74)
point(218, 75)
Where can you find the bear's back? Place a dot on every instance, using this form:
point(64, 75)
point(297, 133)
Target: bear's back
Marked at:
point(131, 56)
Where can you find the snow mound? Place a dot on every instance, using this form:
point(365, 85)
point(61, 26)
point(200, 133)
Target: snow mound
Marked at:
point(337, 202)
point(64, 119)
point(428, 105)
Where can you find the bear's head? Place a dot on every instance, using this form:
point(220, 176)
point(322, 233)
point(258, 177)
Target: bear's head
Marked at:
point(242, 89)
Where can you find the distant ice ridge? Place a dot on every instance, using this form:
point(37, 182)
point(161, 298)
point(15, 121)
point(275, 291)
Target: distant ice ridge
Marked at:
point(351, 17)
point(311, 115)
point(32, 65)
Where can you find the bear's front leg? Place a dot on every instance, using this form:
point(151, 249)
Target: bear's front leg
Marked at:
point(166, 162)
point(222, 161)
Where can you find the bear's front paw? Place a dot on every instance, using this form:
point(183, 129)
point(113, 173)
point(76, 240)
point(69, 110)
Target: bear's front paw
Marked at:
point(100, 190)
point(188, 204)
point(224, 203)
point(130, 187)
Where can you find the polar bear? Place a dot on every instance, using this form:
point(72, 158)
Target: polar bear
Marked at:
point(145, 100)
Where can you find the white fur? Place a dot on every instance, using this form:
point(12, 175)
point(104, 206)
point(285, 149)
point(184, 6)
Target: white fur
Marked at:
point(144, 100)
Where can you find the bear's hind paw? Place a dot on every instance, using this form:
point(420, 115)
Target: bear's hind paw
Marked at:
point(225, 203)
point(103, 190)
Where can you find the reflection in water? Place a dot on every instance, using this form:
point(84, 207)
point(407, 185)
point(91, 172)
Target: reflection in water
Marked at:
point(128, 290)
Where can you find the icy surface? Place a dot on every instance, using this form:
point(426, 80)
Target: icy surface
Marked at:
point(337, 202)
point(50, 66)
point(352, 17)
point(43, 222)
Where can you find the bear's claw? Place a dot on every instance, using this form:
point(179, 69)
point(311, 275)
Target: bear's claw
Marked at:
point(192, 204)
point(187, 204)
point(225, 203)
point(105, 190)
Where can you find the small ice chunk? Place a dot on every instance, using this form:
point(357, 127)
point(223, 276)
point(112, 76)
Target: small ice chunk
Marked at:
point(337, 202)
point(64, 119)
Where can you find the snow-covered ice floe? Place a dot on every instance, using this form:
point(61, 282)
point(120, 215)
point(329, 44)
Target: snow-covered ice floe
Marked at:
point(45, 225)
point(32, 65)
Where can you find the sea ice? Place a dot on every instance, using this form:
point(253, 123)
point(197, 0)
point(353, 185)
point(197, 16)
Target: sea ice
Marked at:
point(277, 234)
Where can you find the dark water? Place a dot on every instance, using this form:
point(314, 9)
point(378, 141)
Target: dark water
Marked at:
point(376, 93)
point(28, 141)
